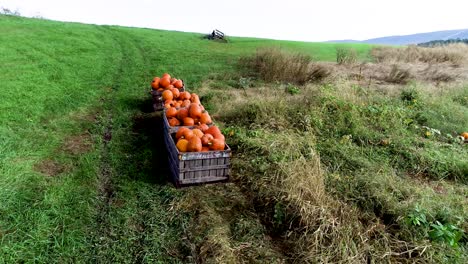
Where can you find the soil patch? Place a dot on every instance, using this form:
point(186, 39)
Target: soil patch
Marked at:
point(78, 144)
point(50, 168)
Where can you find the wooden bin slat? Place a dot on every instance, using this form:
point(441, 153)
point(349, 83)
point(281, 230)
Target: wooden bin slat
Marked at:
point(201, 167)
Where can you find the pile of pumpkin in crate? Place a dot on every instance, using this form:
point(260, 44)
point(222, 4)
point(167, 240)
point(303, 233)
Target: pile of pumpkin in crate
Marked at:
point(164, 85)
point(196, 146)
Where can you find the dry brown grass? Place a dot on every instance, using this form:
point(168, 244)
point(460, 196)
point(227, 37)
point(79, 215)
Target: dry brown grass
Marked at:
point(277, 164)
point(326, 229)
point(224, 228)
point(398, 75)
point(272, 64)
point(455, 54)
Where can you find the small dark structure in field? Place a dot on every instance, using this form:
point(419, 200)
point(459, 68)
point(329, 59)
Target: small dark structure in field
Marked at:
point(216, 35)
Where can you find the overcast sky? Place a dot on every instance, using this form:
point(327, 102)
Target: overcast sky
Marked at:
point(291, 19)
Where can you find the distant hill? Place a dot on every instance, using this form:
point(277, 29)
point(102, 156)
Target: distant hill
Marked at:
point(414, 38)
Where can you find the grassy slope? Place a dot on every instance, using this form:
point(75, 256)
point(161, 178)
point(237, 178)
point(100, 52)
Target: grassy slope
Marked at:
point(103, 201)
point(82, 161)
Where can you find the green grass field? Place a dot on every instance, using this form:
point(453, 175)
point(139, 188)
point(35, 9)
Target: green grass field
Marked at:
point(83, 173)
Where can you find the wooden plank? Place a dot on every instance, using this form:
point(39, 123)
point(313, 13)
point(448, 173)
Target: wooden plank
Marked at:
point(202, 180)
point(201, 168)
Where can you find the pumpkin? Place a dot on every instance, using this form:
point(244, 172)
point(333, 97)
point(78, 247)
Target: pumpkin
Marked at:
point(465, 135)
point(164, 82)
point(160, 89)
point(173, 80)
point(178, 84)
point(166, 75)
point(197, 132)
point(155, 83)
point(217, 144)
point(185, 96)
point(185, 103)
point(203, 127)
point(188, 134)
point(188, 121)
point(206, 139)
point(180, 133)
point(167, 95)
point(171, 112)
point(205, 118)
point(220, 136)
point(174, 122)
point(182, 145)
point(194, 144)
point(183, 113)
point(195, 99)
point(214, 131)
point(205, 149)
point(175, 92)
point(195, 110)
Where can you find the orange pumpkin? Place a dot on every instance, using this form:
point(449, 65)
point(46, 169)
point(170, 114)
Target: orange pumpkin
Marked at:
point(178, 84)
point(217, 144)
point(183, 113)
point(206, 139)
point(194, 144)
point(464, 135)
point(220, 136)
point(214, 131)
point(205, 149)
point(166, 75)
point(185, 96)
point(167, 95)
point(197, 132)
point(180, 133)
point(195, 99)
point(203, 127)
point(185, 103)
point(188, 121)
point(195, 110)
point(174, 122)
point(155, 83)
point(164, 82)
point(205, 118)
point(171, 112)
point(182, 145)
point(175, 92)
point(182, 96)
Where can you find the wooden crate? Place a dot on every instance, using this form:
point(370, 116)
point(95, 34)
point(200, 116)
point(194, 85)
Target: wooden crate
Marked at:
point(191, 168)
